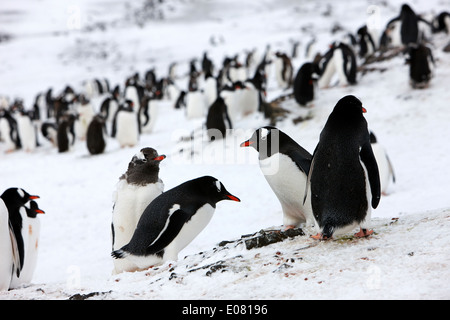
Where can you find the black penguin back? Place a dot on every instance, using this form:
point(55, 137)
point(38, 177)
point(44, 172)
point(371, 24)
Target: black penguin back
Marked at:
point(304, 83)
point(95, 139)
point(215, 119)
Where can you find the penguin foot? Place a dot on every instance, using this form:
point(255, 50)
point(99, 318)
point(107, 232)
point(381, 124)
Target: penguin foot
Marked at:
point(320, 236)
point(289, 226)
point(363, 233)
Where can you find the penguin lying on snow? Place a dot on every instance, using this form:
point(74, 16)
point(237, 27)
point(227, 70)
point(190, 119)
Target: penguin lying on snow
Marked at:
point(285, 165)
point(344, 176)
point(173, 220)
point(136, 188)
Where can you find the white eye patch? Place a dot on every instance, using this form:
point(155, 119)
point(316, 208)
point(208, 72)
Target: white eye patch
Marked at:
point(21, 193)
point(218, 185)
point(264, 133)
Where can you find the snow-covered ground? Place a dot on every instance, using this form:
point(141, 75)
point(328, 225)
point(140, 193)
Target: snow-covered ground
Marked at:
point(54, 44)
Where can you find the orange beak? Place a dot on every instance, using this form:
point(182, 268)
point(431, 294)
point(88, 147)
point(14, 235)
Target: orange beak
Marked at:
point(246, 143)
point(233, 198)
point(160, 158)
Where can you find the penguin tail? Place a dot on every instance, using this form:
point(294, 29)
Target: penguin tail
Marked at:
point(119, 254)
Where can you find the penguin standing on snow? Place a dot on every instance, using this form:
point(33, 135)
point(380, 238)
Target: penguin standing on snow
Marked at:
point(285, 165)
point(384, 164)
point(304, 83)
point(217, 120)
point(284, 70)
point(126, 125)
point(8, 131)
point(173, 220)
point(27, 131)
point(95, 136)
point(420, 62)
point(366, 42)
point(15, 199)
point(65, 128)
point(30, 233)
point(136, 188)
point(6, 252)
point(344, 178)
point(340, 60)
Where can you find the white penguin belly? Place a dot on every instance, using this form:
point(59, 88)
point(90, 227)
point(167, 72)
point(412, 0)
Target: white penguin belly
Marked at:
point(32, 226)
point(26, 133)
point(6, 261)
point(289, 184)
point(383, 166)
point(189, 231)
point(127, 129)
point(17, 281)
point(195, 105)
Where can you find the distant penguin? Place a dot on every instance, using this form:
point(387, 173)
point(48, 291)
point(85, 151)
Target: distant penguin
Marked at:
point(367, 46)
point(149, 112)
point(136, 188)
point(232, 97)
point(385, 167)
point(249, 97)
point(15, 199)
point(85, 114)
point(9, 132)
point(173, 220)
point(441, 22)
point(210, 89)
point(237, 71)
point(218, 120)
point(339, 60)
point(6, 252)
point(420, 65)
point(49, 130)
point(109, 107)
point(283, 70)
point(27, 131)
point(95, 137)
point(304, 83)
point(409, 30)
point(195, 104)
point(285, 165)
point(126, 125)
point(181, 100)
point(30, 233)
point(344, 179)
point(66, 128)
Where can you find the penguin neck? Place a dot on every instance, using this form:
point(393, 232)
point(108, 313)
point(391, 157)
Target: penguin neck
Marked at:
point(143, 176)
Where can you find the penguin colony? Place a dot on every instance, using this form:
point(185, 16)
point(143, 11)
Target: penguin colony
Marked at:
point(150, 225)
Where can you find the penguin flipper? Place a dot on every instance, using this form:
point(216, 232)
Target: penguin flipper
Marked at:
point(174, 223)
point(368, 158)
point(302, 159)
point(15, 251)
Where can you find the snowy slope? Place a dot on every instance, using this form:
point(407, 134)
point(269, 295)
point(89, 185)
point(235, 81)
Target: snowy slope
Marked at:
point(406, 258)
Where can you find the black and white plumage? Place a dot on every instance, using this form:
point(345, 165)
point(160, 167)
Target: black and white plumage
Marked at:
point(126, 125)
point(344, 179)
point(283, 70)
point(285, 165)
point(136, 188)
point(6, 252)
point(14, 200)
point(218, 120)
point(304, 83)
point(96, 135)
point(340, 60)
point(173, 220)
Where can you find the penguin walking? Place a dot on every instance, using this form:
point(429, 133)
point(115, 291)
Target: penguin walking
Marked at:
point(218, 120)
point(339, 60)
point(285, 165)
point(15, 200)
point(344, 179)
point(126, 125)
point(385, 166)
point(136, 188)
point(30, 233)
point(173, 220)
point(95, 136)
point(420, 62)
point(304, 83)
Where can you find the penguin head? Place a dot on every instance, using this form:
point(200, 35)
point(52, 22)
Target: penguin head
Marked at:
point(144, 167)
point(265, 140)
point(147, 157)
point(17, 197)
point(348, 106)
point(214, 190)
point(33, 209)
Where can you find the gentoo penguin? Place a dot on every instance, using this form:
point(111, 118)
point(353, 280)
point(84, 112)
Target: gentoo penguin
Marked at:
point(15, 199)
point(65, 128)
point(173, 220)
point(149, 111)
point(136, 188)
point(249, 97)
point(344, 180)
point(385, 167)
point(283, 70)
point(285, 165)
point(217, 120)
point(8, 131)
point(85, 114)
point(126, 125)
point(340, 60)
point(27, 131)
point(366, 42)
point(232, 97)
point(420, 65)
point(30, 233)
point(49, 130)
point(6, 252)
point(304, 83)
point(95, 136)
point(441, 22)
